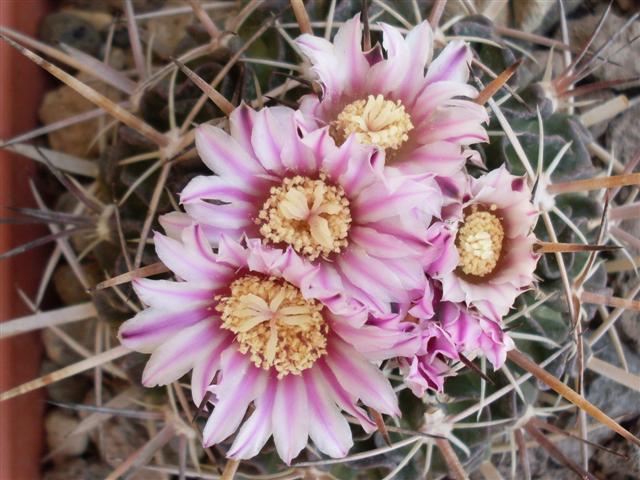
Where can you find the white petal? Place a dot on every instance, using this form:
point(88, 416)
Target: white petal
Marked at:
point(176, 356)
point(451, 64)
point(206, 367)
point(328, 428)
point(290, 417)
point(173, 295)
point(361, 377)
point(188, 263)
point(174, 223)
point(224, 155)
point(257, 429)
point(152, 327)
point(241, 384)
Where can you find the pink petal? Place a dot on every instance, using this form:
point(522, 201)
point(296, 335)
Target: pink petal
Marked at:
point(152, 327)
point(443, 256)
point(169, 295)
point(379, 201)
point(174, 223)
point(410, 273)
point(424, 307)
point(519, 263)
point(297, 157)
point(325, 284)
point(436, 341)
point(392, 41)
point(269, 137)
point(473, 332)
point(257, 429)
point(381, 245)
point(361, 378)
point(212, 187)
point(364, 167)
point(463, 328)
point(207, 365)
point(241, 384)
point(452, 288)
point(241, 122)
point(320, 143)
point(232, 216)
point(437, 95)
point(442, 158)
point(337, 163)
point(413, 81)
point(348, 51)
point(388, 75)
point(195, 240)
point(405, 227)
point(420, 43)
point(288, 265)
point(361, 269)
point(176, 356)
point(231, 252)
point(460, 124)
point(345, 399)
point(424, 373)
point(377, 343)
point(328, 429)
point(186, 263)
point(224, 155)
point(451, 64)
point(290, 417)
point(322, 56)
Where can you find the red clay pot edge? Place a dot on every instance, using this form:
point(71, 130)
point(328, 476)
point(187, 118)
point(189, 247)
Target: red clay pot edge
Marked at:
point(22, 84)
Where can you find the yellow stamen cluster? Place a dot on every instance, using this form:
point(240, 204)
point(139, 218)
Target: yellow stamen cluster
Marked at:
point(375, 121)
point(274, 324)
point(479, 242)
point(310, 215)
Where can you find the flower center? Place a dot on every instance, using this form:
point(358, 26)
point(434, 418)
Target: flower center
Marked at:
point(479, 242)
point(375, 121)
point(274, 323)
point(310, 215)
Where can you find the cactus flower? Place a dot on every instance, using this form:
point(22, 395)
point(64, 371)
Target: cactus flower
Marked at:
point(334, 206)
point(422, 119)
point(484, 254)
point(247, 321)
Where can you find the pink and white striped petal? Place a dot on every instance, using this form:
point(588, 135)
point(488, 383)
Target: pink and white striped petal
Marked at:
point(255, 432)
point(150, 328)
point(223, 154)
point(174, 296)
point(174, 358)
point(361, 377)
point(210, 187)
point(207, 365)
point(290, 417)
point(241, 384)
point(329, 430)
point(451, 64)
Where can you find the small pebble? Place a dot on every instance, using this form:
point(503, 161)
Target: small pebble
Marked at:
point(59, 425)
point(63, 27)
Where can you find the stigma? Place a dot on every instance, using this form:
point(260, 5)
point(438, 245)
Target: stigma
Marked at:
point(479, 242)
point(312, 216)
point(274, 324)
point(374, 121)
